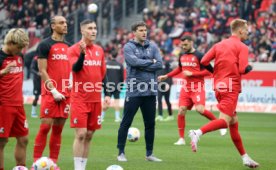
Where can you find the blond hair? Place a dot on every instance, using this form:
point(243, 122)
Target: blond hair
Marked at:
point(17, 36)
point(236, 24)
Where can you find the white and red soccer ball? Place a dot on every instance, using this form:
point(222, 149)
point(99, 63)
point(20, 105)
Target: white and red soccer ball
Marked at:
point(133, 134)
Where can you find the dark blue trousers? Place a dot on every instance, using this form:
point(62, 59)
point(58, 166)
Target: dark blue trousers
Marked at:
point(147, 104)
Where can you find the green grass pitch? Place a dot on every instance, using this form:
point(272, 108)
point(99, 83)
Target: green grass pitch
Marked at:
point(258, 132)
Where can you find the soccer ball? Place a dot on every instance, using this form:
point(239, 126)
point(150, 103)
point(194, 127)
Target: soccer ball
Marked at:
point(133, 134)
point(92, 8)
point(20, 168)
point(114, 167)
point(44, 163)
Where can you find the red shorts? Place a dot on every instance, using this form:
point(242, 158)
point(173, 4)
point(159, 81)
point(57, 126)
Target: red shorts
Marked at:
point(52, 109)
point(86, 115)
point(13, 122)
point(227, 102)
point(190, 98)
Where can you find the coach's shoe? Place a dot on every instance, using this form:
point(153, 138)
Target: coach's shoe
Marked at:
point(180, 141)
point(159, 118)
point(247, 161)
point(122, 157)
point(194, 139)
point(169, 118)
point(152, 158)
point(223, 132)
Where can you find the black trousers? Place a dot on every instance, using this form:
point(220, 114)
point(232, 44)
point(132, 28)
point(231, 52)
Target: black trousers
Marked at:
point(167, 99)
point(147, 105)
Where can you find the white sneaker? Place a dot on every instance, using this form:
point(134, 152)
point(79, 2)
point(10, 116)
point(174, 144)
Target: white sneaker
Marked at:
point(159, 118)
point(118, 120)
point(223, 132)
point(153, 159)
point(122, 157)
point(194, 139)
point(247, 161)
point(180, 141)
point(169, 118)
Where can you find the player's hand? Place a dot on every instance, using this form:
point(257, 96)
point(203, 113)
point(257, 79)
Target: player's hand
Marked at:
point(57, 95)
point(82, 47)
point(162, 78)
point(8, 68)
point(187, 73)
point(107, 101)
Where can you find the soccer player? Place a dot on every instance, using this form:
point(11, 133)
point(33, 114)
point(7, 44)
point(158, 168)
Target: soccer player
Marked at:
point(88, 65)
point(36, 84)
point(54, 68)
point(115, 75)
point(164, 89)
point(143, 60)
point(192, 92)
point(13, 121)
point(231, 61)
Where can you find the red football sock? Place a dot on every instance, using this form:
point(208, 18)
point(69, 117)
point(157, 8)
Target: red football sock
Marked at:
point(40, 140)
point(209, 115)
point(236, 138)
point(55, 142)
point(1, 168)
point(181, 125)
point(214, 125)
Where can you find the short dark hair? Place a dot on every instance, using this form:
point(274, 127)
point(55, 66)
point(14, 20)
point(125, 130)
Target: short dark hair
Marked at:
point(186, 37)
point(87, 21)
point(113, 53)
point(137, 24)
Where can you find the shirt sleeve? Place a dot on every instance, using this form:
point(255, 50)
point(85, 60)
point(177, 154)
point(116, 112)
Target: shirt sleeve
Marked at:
point(158, 64)
point(202, 73)
point(133, 60)
point(243, 59)
point(103, 69)
point(174, 72)
point(209, 56)
point(43, 50)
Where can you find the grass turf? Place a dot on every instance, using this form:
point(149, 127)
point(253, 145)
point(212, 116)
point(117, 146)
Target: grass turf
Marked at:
point(258, 132)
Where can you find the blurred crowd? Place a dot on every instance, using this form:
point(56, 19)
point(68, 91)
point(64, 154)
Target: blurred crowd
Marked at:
point(206, 20)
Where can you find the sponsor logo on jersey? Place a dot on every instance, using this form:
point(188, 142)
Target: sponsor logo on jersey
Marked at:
point(46, 111)
point(16, 70)
point(191, 64)
point(92, 62)
point(113, 67)
point(19, 60)
point(59, 57)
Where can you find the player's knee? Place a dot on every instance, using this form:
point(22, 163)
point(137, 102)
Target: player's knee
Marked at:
point(3, 142)
point(81, 135)
point(182, 110)
point(89, 136)
point(200, 110)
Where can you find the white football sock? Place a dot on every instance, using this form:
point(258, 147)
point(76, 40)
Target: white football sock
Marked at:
point(84, 161)
point(78, 163)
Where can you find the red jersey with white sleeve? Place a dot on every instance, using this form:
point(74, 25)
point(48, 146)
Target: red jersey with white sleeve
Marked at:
point(58, 66)
point(231, 61)
point(191, 62)
point(87, 83)
point(11, 84)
